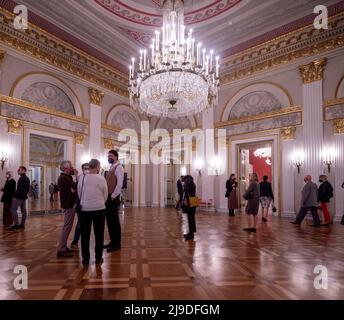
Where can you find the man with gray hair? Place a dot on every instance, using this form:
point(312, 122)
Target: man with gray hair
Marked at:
point(68, 197)
point(309, 202)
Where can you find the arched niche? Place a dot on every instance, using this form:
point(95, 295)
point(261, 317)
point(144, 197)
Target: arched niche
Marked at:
point(176, 123)
point(124, 117)
point(47, 90)
point(256, 99)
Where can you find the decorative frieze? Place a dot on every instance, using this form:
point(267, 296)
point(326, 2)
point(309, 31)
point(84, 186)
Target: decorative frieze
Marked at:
point(338, 126)
point(96, 97)
point(288, 133)
point(79, 138)
point(2, 55)
point(313, 71)
point(14, 125)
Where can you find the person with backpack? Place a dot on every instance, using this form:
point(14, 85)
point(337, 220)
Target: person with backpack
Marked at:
point(325, 193)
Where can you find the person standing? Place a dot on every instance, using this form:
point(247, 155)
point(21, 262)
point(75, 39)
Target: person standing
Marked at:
point(325, 193)
point(114, 180)
point(8, 190)
point(68, 197)
point(93, 192)
point(231, 194)
point(19, 200)
point(51, 192)
point(309, 201)
point(180, 192)
point(77, 232)
point(252, 195)
point(56, 192)
point(189, 191)
point(266, 197)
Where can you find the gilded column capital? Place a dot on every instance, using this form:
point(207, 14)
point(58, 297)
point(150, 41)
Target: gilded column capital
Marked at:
point(14, 125)
point(96, 96)
point(288, 133)
point(2, 55)
point(338, 126)
point(313, 71)
point(79, 138)
point(108, 143)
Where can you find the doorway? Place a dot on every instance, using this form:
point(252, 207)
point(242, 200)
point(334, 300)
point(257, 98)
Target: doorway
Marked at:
point(254, 157)
point(45, 156)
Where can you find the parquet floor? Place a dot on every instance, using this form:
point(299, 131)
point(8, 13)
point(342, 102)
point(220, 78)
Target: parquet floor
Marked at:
point(223, 262)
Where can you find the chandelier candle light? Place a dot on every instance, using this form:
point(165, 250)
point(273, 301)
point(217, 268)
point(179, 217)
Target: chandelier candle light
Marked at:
point(175, 79)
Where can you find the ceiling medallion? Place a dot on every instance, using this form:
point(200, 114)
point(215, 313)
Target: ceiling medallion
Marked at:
point(176, 78)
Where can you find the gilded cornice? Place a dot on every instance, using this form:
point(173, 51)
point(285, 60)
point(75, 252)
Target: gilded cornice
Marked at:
point(261, 116)
point(49, 49)
point(333, 102)
point(313, 71)
point(40, 108)
point(299, 44)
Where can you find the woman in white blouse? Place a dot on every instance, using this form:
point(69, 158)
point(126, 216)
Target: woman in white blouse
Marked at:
point(93, 192)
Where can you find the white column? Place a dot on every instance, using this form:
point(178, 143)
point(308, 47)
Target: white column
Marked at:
point(162, 185)
point(339, 173)
point(312, 99)
point(96, 98)
point(155, 186)
point(136, 181)
point(287, 178)
point(143, 169)
point(207, 179)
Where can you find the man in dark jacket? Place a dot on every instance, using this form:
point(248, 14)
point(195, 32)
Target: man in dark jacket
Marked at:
point(309, 202)
point(68, 197)
point(324, 195)
point(19, 200)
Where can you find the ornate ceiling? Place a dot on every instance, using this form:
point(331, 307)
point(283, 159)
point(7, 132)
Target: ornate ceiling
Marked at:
point(114, 30)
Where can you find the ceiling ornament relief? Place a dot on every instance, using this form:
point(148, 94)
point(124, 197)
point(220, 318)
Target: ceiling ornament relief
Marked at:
point(255, 103)
point(142, 38)
point(49, 95)
point(120, 9)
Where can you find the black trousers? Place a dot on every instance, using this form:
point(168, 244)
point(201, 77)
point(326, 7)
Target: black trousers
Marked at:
point(112, 221)
point(86, 220)
point(192, 222)
point(302, 213)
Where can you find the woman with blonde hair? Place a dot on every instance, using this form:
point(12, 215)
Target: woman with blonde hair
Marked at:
point(252, 207)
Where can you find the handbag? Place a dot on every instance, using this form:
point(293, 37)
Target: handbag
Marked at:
point(194, 202)
point(78, 207)
point(248, 196)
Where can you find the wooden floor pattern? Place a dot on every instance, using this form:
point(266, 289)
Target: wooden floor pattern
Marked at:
point(223, 262)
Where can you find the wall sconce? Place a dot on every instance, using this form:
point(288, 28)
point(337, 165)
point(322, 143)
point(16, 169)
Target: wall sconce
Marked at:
point(3, 159)
point(298, 159)
point(216, 165)
point(328, 158)
point(199, 163)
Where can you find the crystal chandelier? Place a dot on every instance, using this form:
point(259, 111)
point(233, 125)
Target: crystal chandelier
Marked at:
point(176, 77)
